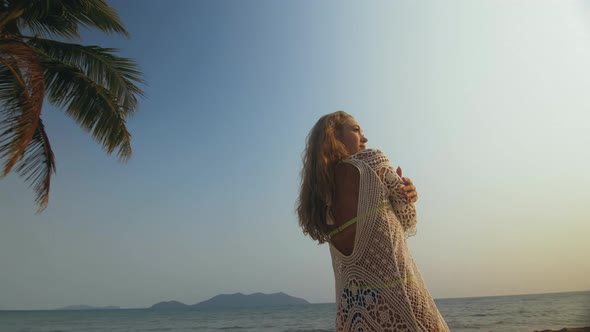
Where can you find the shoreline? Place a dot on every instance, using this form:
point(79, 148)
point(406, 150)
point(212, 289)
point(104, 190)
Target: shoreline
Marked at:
point(568, 329)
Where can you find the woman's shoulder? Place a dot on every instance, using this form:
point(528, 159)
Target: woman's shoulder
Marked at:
point(369, 154)
point(372, 158)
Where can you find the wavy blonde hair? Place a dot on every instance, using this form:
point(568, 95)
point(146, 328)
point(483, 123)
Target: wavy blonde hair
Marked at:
point(322, 151)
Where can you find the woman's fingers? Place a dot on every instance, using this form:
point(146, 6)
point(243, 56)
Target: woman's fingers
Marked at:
point(410, 187)
point(410, 191)
point(407, 181)
point(412, 198)
point(411, 194)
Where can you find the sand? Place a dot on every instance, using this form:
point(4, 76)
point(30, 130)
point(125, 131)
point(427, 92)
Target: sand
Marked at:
point(569, 329)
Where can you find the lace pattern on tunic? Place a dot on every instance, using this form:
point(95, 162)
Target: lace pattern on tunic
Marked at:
point(378, 286)
point(404, 211)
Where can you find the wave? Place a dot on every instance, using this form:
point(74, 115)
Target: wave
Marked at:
point(455, 324)
point(231, 327)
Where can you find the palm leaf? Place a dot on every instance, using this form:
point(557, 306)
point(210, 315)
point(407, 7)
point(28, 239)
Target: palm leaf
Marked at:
point(10, 13)
point(62, 18)
point(23, 102)
point(38, 165)
point(94, 85)
point(93, 106)
point(117, 74)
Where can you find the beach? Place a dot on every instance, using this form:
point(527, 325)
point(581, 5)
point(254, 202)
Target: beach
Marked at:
point(568, 329)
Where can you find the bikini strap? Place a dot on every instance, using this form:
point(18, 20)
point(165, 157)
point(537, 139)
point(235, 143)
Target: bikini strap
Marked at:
point(342, 227)
point(347, 224)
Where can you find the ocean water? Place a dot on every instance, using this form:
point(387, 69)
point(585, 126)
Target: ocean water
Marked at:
point(501, 313)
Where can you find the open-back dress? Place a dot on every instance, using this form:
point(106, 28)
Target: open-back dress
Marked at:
point(378, 286)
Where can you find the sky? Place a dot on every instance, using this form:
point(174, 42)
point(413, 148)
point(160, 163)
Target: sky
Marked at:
point(484, 105)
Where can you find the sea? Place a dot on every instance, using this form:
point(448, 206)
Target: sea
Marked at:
point(499, 313)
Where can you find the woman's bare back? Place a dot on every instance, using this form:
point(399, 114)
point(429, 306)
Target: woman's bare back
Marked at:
point(345, 205)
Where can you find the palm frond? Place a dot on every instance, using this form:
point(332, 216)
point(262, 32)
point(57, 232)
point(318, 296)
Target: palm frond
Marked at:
point(97, 88)
point(11, 12)
point(38, 165)
point(50, 20)
point(62, 18)
point(22, 104)
point(93, 107)
point(117, 74)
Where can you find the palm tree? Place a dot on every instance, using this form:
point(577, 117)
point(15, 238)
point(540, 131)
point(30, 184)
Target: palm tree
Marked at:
point(95, 86)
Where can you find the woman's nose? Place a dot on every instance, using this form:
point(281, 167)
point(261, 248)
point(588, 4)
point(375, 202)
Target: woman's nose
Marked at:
point(364, 139)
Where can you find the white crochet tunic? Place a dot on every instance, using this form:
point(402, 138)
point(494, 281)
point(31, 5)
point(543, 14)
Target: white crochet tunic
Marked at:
point(378, 286)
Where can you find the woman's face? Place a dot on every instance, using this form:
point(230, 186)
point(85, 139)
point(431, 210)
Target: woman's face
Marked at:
point(352, 136)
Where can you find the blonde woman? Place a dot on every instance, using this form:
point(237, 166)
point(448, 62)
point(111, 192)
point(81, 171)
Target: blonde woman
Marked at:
point(352, 198)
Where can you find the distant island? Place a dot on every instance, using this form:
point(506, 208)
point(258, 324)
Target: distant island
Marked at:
point(87, 307)
point(237, 300)
point(169, 305)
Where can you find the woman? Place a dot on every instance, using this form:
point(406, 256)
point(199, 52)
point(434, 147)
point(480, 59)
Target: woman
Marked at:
point(352, 198)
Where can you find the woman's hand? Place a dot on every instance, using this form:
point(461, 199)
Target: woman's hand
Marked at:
point(409, 188)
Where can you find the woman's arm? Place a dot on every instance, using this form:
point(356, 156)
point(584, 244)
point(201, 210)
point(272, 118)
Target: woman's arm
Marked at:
point(403, 207)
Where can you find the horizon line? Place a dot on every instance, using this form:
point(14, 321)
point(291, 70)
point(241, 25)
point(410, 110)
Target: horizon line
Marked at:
point(148, 308)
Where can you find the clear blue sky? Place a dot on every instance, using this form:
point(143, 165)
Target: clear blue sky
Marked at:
point(484, 104)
